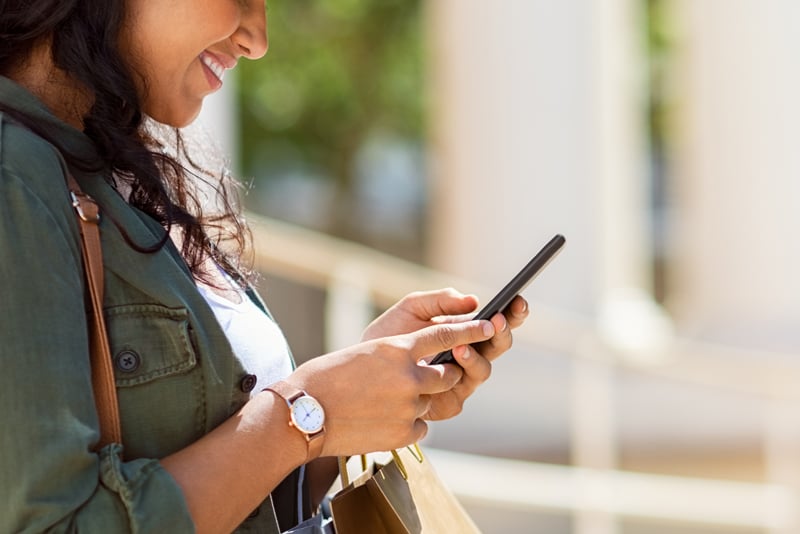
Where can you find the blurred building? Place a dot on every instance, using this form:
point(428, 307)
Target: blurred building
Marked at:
point(736, 86)
point(540, 113)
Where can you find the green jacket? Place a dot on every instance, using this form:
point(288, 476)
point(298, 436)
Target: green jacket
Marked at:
point(176, 375)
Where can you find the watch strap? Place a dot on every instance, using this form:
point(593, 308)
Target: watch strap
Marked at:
point(286, 391)
point(290, 393)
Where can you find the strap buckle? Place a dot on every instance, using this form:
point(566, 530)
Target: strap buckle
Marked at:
point(86, 207)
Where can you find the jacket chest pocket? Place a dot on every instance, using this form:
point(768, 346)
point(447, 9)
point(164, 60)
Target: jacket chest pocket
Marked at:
point(160, 386)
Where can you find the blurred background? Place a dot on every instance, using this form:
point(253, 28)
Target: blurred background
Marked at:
point(394, 145)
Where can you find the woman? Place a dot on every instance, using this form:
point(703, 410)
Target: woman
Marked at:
point(205, 444)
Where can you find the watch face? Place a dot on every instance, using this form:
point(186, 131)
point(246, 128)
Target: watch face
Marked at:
point(308, 415)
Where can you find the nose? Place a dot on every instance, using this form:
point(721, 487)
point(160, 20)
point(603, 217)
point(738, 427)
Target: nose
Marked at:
point(251, 36)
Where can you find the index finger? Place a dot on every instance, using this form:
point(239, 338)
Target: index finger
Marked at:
point(434, 339)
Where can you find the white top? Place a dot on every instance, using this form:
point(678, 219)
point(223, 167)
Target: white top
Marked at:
point(256, 339)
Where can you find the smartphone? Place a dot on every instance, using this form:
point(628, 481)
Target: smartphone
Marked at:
point(512, 289)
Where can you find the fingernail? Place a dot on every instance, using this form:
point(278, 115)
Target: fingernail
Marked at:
point(505, 325)
point(462, 352)
point(488, 329)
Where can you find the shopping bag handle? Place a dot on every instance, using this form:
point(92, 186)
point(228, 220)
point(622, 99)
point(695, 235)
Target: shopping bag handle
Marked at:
point(414, 449)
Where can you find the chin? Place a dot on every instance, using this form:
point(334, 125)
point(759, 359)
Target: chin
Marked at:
point(182, 121)
point(175, 118)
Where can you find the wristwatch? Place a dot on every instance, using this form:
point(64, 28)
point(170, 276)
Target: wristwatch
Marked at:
point(305, 414)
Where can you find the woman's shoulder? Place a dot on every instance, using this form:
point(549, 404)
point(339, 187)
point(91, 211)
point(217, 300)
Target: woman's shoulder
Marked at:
point(28, 157)
point(22, 149)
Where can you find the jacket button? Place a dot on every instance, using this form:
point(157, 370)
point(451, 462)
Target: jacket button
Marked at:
point(248, 383)
point(127, 361)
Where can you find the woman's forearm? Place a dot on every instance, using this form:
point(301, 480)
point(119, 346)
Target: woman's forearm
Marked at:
point(226, 474)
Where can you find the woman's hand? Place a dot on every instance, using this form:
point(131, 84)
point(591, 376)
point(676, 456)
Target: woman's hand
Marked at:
point(394, 389)
point(422, 309)
point(475, 360)
point(377, 393)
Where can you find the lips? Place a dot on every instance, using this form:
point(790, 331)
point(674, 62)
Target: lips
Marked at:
point(215, 67)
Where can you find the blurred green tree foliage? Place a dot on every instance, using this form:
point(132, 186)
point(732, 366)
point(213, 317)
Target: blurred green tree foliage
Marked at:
point(660, 37)
point(337, 71)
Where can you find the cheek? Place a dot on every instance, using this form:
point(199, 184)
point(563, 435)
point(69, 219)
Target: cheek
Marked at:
point(165, 80)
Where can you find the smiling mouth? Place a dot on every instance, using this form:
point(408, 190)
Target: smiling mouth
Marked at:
point(215, 67)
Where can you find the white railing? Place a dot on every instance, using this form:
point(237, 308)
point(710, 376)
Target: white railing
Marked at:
point(356, 278)
point(514, 484)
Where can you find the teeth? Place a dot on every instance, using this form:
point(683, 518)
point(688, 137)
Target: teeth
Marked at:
point(216, 68)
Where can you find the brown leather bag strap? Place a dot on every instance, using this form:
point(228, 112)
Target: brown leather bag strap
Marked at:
point(105, 391)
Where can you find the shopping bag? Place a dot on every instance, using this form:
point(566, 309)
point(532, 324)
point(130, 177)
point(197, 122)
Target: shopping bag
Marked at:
point(403, 495)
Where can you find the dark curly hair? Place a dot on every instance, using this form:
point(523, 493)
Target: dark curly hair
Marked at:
point(163, 183)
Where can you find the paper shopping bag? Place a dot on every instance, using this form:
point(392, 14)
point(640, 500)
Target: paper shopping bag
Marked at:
point(401, 496)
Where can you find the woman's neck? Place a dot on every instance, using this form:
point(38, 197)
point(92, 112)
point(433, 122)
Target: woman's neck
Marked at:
point(63, 95)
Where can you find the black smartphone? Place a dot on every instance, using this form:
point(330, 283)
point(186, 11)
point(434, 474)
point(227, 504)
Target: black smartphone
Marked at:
point(512, 289)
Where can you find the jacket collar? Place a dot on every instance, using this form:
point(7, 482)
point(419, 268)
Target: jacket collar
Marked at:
point(71, 140)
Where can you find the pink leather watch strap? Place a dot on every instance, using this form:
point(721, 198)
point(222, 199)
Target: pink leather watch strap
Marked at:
point(290, 393)
point(286, 391)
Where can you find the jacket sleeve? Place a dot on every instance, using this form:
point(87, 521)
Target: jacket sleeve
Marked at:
point(50, 478)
